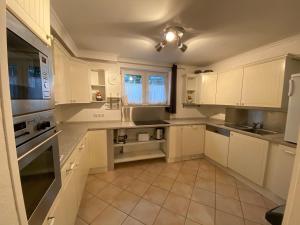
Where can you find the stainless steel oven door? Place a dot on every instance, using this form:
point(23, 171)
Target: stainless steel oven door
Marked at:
point(40, 176)
point(30, 69)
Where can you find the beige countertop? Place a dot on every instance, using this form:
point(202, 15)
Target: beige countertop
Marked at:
point(72, 133)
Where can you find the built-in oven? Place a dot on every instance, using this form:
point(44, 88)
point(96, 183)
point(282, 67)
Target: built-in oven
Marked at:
point(30, 70)
point(39, 163)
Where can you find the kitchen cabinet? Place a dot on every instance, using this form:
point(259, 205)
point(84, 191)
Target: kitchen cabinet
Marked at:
point(229, 87)
point(35, 14)
point(216, 146)
point(263, 84)
point(192, 88)
point(97, 142)
point(185, 142)
point(71, 78)
point(279, 170)
point(208, 88)
point(248, 156)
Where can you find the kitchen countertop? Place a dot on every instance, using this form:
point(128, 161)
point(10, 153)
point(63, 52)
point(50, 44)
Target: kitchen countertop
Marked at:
point(74, 132)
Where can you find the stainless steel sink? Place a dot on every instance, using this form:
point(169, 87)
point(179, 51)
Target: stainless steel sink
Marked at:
point(252, 130)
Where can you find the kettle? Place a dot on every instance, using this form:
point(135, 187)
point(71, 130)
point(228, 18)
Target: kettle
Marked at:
point(159, 133)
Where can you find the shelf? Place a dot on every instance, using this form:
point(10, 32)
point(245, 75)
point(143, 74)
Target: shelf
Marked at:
point(130, 143)
point(138, 155)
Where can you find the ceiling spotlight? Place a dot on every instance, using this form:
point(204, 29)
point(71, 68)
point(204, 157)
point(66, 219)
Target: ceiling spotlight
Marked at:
point(171, 34)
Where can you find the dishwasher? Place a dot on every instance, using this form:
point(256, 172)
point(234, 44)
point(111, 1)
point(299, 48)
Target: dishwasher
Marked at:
point(217, 144)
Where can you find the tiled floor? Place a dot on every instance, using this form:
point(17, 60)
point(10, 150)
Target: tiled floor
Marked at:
point(154, 192)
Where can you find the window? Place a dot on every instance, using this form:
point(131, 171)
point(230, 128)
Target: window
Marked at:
point(146, 88)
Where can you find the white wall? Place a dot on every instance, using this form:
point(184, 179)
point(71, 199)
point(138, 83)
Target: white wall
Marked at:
point(283, 47)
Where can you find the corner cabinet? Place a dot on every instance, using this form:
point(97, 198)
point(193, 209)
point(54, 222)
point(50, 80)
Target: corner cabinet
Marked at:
point(185, 142)
point(34, 14)
point(248, 156)
point(229, 87)
point(208, 88)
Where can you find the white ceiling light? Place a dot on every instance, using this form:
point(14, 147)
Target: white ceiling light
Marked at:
point(171, 34)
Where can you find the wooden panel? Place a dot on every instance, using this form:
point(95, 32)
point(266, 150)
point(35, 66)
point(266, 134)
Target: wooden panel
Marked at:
point(248, 156)
point(229, 87)
point(280, 167)
point(216, 147)
point(263, 84)
point(174, 143)
point(97, 142)
point(208, 88)
point(193, 140)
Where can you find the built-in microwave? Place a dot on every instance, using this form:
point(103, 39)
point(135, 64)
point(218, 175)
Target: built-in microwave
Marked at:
point(30, 70)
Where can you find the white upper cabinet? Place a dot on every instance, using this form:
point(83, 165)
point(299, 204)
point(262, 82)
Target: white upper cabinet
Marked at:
point(263, 84)
point(229, 87)
point(35, 14)
point(192, 88)
point(208, 88)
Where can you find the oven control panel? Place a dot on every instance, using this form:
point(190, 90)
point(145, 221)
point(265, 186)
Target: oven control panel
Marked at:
point(31, 125)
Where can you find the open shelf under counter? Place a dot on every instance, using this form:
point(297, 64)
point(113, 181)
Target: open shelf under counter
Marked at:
point(138, 155)
point(130, 143)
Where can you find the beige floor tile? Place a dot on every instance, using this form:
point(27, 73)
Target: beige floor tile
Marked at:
point(145, 212)
point(189, 170)
point(91, 208)
point(190, 222)
point(90, 178)
point(269, 204)
point(205, 184)
point(222, 177)
point(155, 169)
point(135, 172)
point(175, 166)
point(80, 222)
point(95, 186)
point(227, 190)
point(205, 165)
point(125, 201)
point(177, 204)
point(186, 178)
point(204, 197)
point(254, 213)
point(163, 182)
point(169, 172)
point(202, 214)
point(109, 193)
point(251, 197)
point(138, 187)
point(227, 219)
point(123, 181)
point(155, 195)
point(247, 222)
point(191, 163)
point(182, 189)
point(147, 177)
point(108, 176)
point(168, 218)
point(86, 196)
point(110, 216)
point(131, 221)
point(229, 205)
point(208, 175)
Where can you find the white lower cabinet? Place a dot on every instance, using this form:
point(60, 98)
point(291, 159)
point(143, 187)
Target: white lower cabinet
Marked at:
point(74, 175)
point(279, 170)
point(185, 142)
point(216, 147)
point(248, 156)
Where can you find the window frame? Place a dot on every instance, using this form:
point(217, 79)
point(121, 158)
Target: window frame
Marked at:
point(145, 87)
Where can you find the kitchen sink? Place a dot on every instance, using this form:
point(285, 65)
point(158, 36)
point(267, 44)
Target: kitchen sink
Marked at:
point(259, 131)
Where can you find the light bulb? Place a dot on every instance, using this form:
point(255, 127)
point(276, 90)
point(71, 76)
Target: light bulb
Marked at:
point(170, 36)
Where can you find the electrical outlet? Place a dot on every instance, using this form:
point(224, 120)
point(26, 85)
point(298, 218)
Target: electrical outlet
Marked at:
point(98, 115)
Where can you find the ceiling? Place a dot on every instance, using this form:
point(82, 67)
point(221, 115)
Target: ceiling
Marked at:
point(215, 29)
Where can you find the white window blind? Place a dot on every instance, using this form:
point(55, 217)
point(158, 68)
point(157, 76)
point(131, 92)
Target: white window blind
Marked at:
point(145, 88)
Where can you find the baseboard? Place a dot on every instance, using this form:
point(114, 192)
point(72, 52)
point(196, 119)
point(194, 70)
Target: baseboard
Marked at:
point(185, 158)
point(98, 170)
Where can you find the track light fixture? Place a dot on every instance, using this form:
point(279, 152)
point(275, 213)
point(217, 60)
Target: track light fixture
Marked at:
point(172, 34)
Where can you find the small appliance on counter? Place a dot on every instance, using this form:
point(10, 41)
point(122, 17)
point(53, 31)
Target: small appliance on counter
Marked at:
point(159, 133)
point(121, 137)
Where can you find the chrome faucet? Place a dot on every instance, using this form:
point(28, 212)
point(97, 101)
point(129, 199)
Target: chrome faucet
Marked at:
point(257, 125)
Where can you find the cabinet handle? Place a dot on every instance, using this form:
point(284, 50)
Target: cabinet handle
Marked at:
point(290, 152)
point(51, 220)
point(49, 36)
point(291, 87)
point(81, 147)
point(73, 165)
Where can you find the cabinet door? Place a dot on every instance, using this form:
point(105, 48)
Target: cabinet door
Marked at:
point(174, 143)
point(247, 156)
point(280, 167)
point(229, 87)
point(79, 80)
point(263, 84)
point(193, 140)
point(216, 147)
point(62, 88)
point(97, 142)
point(35, 14)
point(208, 88)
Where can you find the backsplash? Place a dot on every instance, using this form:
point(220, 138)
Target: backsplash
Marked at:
point(271, 120)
